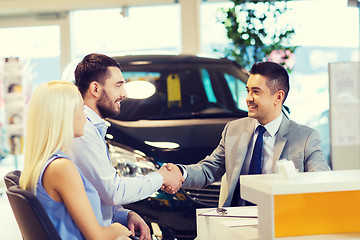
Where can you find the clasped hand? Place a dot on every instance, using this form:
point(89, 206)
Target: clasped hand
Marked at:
point(173, 178)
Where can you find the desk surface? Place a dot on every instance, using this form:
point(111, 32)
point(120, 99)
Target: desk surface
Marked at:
point(220, 227)
point(307, 182)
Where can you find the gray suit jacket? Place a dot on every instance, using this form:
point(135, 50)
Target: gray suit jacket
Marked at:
point(294, 142)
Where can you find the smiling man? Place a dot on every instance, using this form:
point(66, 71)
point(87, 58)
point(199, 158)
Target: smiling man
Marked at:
point(253, 145)
point(101, 84)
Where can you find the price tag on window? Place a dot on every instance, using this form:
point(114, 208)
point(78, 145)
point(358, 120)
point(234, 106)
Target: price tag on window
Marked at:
point(173, 90)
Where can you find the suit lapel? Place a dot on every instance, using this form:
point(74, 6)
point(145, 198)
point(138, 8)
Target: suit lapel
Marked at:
point(241, 151)
point(280, 140)
point(241, 146)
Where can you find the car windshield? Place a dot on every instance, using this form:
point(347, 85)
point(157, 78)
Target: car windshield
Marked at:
point(185, 90)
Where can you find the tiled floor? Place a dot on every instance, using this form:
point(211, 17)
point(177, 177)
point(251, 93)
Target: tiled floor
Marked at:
point(8, 227)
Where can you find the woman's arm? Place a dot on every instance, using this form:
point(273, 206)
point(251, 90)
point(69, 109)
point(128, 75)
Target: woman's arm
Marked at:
point(63, 183)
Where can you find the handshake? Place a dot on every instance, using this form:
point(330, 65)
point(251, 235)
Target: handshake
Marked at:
point(172, 178)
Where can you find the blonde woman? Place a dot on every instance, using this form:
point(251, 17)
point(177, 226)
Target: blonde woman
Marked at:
point(55, 117)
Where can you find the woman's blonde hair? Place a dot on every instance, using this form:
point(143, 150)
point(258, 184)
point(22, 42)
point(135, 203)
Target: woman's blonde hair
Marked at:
point(49, 128)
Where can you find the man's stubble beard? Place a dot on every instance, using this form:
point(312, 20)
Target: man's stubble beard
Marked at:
point(106, 106)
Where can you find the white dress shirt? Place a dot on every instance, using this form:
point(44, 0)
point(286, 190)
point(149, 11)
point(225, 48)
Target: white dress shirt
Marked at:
point(269, 138)
point(89, 153)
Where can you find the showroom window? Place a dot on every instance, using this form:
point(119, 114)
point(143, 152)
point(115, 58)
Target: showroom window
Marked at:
point(29, 56)
point(322, 39)
point(38, 47)
point(238, 91)
point(213, 33)
point(131, 29)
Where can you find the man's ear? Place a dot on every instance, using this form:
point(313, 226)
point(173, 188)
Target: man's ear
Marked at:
point(95, 89)
point(280, 97)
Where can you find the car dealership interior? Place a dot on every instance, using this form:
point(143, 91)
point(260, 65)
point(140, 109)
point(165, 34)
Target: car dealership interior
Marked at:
point(182, 54)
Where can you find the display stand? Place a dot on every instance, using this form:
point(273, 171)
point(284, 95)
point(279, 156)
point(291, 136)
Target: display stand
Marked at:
point(3, 142)
point(344, 115)
point(14, 105)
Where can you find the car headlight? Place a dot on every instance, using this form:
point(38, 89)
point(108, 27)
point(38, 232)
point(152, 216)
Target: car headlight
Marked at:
point(129, 163)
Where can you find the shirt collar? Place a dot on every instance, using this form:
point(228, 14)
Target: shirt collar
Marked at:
point(93, 116)
point(273, 126)
point(95, 119)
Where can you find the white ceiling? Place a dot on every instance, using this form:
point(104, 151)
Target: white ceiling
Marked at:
point(25, 7)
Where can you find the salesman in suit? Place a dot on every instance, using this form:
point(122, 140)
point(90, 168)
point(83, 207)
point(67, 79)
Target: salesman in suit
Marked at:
point(252, 145)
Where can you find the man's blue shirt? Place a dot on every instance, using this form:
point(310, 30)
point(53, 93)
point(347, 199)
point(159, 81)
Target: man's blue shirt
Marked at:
point(90, 154)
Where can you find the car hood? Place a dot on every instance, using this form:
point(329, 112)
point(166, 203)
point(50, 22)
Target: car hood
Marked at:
point(196, 137)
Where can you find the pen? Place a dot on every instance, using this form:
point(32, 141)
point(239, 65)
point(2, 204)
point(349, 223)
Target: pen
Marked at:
point(133, 237)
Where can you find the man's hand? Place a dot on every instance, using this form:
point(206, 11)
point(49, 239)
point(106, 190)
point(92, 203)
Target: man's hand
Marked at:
point(173, 178)
point(135, 222)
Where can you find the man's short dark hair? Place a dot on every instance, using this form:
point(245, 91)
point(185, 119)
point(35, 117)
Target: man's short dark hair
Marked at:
point(93, 67)
point(276, 76)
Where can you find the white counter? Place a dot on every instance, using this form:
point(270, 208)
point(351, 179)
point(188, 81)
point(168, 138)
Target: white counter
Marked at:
point(313, 203)
point(211, 227)
point(329, 181)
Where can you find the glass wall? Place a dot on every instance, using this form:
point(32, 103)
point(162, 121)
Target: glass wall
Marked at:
point(133, 29)
point(38, 47)
point(28, 57)
point(325, 32)
point(321, 37)
point(213, 33)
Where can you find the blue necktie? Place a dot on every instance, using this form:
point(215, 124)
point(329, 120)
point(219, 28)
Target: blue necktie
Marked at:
point(255, 166)
point(256, 159)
